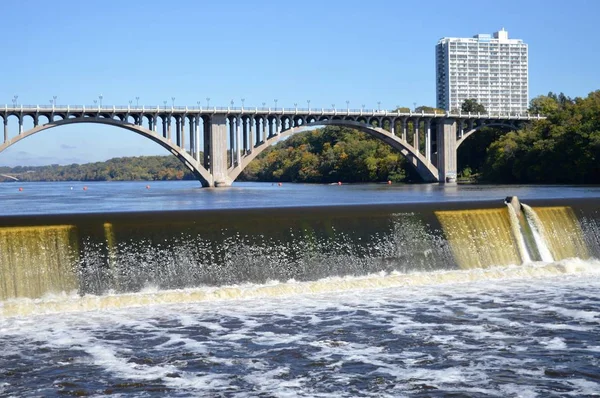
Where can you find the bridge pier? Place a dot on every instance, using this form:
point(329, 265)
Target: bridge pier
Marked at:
point(218, 151)
point(446, 146)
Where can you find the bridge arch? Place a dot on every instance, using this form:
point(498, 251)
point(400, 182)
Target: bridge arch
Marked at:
point(510, 126)
point(426, 170)
point(197, 169)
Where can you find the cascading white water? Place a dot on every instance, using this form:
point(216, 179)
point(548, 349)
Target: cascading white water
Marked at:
point(518, 233)
point(538, 231)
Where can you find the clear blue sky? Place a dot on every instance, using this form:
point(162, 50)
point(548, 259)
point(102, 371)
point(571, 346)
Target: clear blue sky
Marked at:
point(325, 51)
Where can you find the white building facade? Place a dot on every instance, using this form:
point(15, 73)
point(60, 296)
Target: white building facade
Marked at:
point(493, 70)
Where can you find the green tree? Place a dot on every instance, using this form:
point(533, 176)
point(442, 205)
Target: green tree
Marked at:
point(471, 105)
point(327, 155)
point(565, 148)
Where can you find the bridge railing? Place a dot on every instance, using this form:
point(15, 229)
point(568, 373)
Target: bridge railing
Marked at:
point(262, 109)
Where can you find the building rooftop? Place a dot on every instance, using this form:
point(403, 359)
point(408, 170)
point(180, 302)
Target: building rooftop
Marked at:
point(500, 36)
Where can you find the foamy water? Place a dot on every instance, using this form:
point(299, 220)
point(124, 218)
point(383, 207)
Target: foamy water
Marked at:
point(522, 331)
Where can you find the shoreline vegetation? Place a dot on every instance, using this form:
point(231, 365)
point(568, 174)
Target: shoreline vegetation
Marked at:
point(563, 149)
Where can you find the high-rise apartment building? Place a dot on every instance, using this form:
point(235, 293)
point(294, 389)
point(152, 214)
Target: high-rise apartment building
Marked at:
point(491, 70)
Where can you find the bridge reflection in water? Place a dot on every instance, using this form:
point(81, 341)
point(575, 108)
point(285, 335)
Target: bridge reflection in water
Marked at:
point(216, 144)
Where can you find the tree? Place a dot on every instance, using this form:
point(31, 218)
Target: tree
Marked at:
point(429, 109)
point(471, 105)
point(563, 149)
point(329, 155)
point(543, 105)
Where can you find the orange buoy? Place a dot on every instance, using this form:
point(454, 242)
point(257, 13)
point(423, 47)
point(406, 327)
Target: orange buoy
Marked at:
point(20, 189)
point(339, 183)
point(278, 184)
point(147, 186)
point(85, 188)
point(389, 182)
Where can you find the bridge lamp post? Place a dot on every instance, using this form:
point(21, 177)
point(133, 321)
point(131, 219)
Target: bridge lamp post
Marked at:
point(347, 106)
point(378, 106)
point(14, 100)
point(243, 99)
point(137, 102)
point(130, 101)
point(333, 107)
point(172, 102)
point(231, 102)
point(95, 103)
point(263, 104)
point(275, 104)
point(296, 106)
point(208, 102)
point(165, 104)
point(100, 98)
point(308, 102)
point(54, 99)
point(198, 102)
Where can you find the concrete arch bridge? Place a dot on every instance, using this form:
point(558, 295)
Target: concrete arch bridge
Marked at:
point(217, 143)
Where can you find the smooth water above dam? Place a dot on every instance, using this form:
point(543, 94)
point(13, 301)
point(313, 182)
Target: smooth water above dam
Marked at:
point(374, 298)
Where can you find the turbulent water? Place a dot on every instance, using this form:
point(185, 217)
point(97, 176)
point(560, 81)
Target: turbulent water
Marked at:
point(513, 332)
point(404, 299)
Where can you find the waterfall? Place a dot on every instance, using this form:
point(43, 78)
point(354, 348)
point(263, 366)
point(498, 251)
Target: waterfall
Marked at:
point(38, 260)
point(563, 234)
point(539, 233)
point(517, 230)
point(479, 238)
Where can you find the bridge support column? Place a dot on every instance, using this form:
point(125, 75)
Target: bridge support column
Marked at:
point(271, 131)
point(5, 128)
point(169, 128)
point(245, 122)
point(197, 140)
point(218, 151)
point(21, 125)
point(416, 126)
point(404, 127)
point(263, 136)
point(278, 121)
point(231, 141)
point(207, 143)
point(182, 133)
point(251, 136)
point(428, 139)
point(446, 148)
point(192, 136)
point(178, 132)
point(393, 126)
point(238, 141)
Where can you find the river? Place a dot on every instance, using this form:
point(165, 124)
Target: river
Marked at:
point(165, 288)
